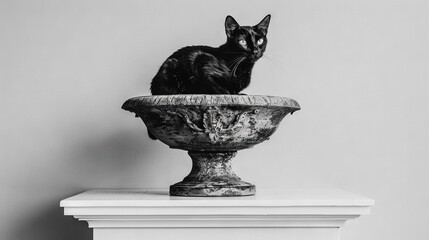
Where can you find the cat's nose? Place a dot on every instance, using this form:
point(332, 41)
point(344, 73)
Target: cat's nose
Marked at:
point(257, 54)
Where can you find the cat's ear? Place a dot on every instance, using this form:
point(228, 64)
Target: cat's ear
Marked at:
point(263, 25)
point(230, 25)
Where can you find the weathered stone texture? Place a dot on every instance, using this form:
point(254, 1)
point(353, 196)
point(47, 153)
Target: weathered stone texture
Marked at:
point(211, 128)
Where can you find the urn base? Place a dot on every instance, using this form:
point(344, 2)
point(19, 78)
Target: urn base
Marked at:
point(212, 176)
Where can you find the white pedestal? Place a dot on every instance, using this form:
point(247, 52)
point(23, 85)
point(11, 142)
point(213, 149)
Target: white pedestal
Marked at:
point(273, 215)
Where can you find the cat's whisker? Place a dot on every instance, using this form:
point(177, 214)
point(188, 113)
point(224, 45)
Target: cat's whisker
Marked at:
point(235, 66)
point(272, 58)
point(281, 66)
point(240, 63)
point(234, 70)
point(269, 59)
point(234, 61)
point(273, 53)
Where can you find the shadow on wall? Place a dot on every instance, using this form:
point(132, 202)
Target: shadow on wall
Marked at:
point(89, 161)
point(115, 160)
point(51, 224)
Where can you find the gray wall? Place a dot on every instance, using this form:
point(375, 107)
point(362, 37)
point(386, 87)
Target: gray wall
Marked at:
point(359, 69)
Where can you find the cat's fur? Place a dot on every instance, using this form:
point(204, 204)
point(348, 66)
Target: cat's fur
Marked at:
point(208, 70)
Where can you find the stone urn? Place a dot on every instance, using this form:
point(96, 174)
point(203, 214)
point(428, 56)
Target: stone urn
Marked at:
point(212, 128)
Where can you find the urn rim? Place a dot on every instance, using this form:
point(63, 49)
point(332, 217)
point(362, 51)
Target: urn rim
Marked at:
point(211, 100)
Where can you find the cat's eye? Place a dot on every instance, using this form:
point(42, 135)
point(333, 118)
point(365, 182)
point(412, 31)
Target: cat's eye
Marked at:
point(260, 41)
point(242, 42)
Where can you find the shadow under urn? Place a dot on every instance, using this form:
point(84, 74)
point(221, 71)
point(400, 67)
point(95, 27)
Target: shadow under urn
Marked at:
point(212, 128)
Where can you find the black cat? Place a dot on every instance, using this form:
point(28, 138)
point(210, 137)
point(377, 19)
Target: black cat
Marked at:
point(208, 70)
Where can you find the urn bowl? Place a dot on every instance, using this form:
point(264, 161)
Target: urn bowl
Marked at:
point(212, 128)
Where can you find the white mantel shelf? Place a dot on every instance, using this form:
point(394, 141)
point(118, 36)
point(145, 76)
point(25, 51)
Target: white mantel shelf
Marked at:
point(270, 214)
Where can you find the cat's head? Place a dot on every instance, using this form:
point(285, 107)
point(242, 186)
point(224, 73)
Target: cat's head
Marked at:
point(250, 40)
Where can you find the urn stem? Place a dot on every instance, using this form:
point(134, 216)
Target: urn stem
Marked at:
point(211, 166)
point(212, 175)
